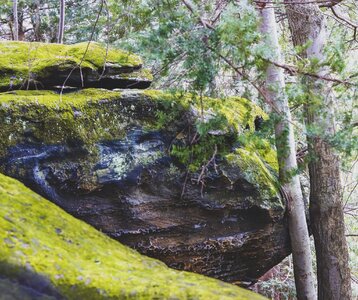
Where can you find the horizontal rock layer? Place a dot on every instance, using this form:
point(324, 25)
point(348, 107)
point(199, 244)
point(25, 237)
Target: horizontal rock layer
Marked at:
point(39, 66)
point(131, 164)
point(47, 254)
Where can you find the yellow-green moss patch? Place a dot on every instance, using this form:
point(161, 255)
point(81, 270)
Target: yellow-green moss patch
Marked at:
point(256, 172)
point(93, 115)
point(82, 263)
point(49, 118)
point(21, 61)
point(238, 112)
point(231, 117)
point(53, 100)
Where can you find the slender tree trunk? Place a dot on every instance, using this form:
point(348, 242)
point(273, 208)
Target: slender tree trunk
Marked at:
point(61, 25)
point(16, 21)
point(307, 24)
point(37, 21)
point(286, 152)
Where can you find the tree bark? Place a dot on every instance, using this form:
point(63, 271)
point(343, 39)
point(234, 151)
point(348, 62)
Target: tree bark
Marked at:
point(61, 25)
point(307, 24)
point(16, 21)
point(286, 153)
point(37, 21)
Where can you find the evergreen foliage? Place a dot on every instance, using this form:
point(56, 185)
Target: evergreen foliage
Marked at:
point(226, 57)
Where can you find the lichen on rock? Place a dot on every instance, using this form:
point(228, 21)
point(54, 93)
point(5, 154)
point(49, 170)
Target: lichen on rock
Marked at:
point(48, 253)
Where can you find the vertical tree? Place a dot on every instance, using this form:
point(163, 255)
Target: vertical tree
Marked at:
point(16, 21)
point(61, 25)
point(286, 151)
point(36, 20)
point(308, 28)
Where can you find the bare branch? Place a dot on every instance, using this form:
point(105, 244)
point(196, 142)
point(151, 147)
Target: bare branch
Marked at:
point(107, 43)
point(86, 50)
point(220, 7)
point(260, 90)
point(350, 194)
point(321, 3)
point(190, 6)
point(291, 69)
point(349, 22)
point(294, 70)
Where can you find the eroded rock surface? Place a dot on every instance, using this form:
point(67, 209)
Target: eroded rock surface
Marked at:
point(131, 164)
point(48, 254)
point(40, 66)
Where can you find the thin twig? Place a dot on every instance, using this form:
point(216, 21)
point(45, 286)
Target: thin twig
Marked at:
point(184, 185)
point(322, 3)
point(220, 7)
point(107, 44)
point(350, 194)
point(190, 6)
point(349, 22)
point(205, 167)
point(81, 75)
point(85, 53)
point(294, 70)
point(261, 90)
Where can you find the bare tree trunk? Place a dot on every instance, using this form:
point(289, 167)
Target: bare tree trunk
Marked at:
point(286, 152)
point(307, 24)
point(61, 25)
point(37, 21)
point(16, 21)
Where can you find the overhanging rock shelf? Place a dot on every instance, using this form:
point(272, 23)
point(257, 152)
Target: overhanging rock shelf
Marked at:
point(39, 66)
point(130, 163)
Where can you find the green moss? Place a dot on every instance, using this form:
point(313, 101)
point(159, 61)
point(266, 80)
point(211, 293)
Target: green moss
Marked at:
point(53, 100)
point(92, 115)
point(238, 112)
point(255, 171)
point(232, 118)
point(82, 263)
point(142, 74)
point(20, 61)
point(52, 119)
point(261, 147)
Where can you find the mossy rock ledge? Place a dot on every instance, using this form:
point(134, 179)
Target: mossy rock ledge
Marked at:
point(130, 163)
point(47, 254)
point(40, 66)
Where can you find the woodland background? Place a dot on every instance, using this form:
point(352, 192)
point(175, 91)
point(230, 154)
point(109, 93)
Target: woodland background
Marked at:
point(215, 48)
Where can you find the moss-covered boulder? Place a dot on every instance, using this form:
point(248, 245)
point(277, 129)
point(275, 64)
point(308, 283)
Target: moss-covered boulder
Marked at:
point(181, 178)
point(41, 66)
point(47, 254)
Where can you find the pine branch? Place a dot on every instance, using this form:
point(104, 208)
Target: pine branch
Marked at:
point(291, 69)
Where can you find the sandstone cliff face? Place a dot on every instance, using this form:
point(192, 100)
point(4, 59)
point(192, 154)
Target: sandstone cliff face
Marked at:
point(179, 178)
